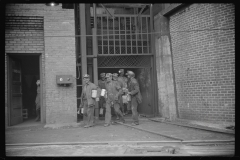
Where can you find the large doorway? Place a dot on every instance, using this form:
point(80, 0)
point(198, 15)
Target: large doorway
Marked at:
point(24, 71)
point(143, 76)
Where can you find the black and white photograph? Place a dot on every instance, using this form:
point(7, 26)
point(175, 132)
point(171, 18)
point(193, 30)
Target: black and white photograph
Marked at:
point(119, 79)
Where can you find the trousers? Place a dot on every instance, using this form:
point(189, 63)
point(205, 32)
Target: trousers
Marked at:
point(108, 115)
point(88, 113)
point(134, 105)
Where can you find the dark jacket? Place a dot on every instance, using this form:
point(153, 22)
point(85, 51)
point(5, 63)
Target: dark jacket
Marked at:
point(37, 100)
point(133, 87)
point(114, 90)
point(89, 87)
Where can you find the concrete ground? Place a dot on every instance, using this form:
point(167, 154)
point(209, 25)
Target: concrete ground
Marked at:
point(33, 132)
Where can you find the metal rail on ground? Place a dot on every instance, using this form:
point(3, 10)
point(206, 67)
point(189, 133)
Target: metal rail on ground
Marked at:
point(196, 127)
point(127, 142)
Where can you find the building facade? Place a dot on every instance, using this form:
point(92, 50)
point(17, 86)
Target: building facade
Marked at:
point(185, 70)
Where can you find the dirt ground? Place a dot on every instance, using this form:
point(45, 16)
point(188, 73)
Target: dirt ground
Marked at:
point(118, 132)
point(115, 134)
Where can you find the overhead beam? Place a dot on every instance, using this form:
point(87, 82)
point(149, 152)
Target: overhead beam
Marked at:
point(125, 5)
point(141, 11)
point(107, 10)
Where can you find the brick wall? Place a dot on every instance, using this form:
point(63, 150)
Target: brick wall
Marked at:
point(58, 56)
point(204, 61)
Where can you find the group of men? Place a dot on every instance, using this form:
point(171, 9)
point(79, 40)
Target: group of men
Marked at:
point(117, 89)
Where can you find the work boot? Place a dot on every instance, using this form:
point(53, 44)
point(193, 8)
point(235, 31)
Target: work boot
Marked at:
point(106, 125)
point(113, 122)
point(122, 121)
point(86, 126)
point(135, 123)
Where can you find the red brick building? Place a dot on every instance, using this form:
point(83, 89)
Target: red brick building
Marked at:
point(186, 70)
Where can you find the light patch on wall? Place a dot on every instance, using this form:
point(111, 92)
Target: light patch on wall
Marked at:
point(66, 26)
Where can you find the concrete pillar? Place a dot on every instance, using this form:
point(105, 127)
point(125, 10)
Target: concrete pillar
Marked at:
point(165, 77)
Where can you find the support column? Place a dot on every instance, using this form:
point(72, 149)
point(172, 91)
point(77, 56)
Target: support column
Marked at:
point(95, 52)
point(154, 73)
point(165, 76)
point(83, 45)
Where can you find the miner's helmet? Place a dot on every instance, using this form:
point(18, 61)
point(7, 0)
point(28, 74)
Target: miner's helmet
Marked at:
point(108, 75)
point(102, 75)
point(131, 73)
point(38, 82)
point(115, 75)
point(121, 71)
point(86, 76)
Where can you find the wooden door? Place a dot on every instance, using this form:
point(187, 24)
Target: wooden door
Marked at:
point(15, 89)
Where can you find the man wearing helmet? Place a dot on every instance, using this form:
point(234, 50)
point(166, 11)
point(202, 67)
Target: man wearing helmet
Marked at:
point(114, 90)
point(123, 80)
point(88, 101)
point(101, 84)
point(136, 97)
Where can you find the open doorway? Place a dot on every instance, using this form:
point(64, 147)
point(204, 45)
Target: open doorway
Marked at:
point(143, 76)
point(29, 73)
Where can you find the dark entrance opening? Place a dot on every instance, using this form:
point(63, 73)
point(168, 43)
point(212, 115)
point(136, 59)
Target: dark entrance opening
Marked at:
point(30, 73)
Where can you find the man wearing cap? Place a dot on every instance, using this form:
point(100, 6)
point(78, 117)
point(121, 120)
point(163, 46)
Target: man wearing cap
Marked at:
point(136, 97)
point(37, 102)
point(115, 80)
point(101, 84)
point(114, 90)
point(123, 80)
point(88, 101)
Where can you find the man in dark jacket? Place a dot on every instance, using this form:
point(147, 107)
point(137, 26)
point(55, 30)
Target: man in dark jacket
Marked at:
point(114, 90)
point(88, 101)
point(123, 80)
point(136, 97)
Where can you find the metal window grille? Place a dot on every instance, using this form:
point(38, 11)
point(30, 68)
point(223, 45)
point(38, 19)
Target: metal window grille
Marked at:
point(125, 34)
point(124, 61)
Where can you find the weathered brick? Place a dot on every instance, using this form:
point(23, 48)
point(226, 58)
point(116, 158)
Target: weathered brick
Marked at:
point(60, 106)
point(208, 55)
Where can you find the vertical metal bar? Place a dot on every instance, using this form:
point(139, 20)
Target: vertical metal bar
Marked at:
point(141, 22)
point(131, 33)
point(114, 49)
point(95, 66)
point(83, 38)
point(147, 34)
point(120, 38)
point(125, 18)
point(107, 34)
point(94, 16)
point(155, 87)
point(102, 32)
point(136, 33)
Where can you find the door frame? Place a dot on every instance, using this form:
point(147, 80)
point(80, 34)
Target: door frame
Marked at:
point(43, 110)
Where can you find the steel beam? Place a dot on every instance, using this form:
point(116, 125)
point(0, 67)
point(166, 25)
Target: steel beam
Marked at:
point(107, 11)
point(83, 44)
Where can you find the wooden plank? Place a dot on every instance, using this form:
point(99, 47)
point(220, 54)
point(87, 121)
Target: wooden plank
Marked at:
point(202, 128)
